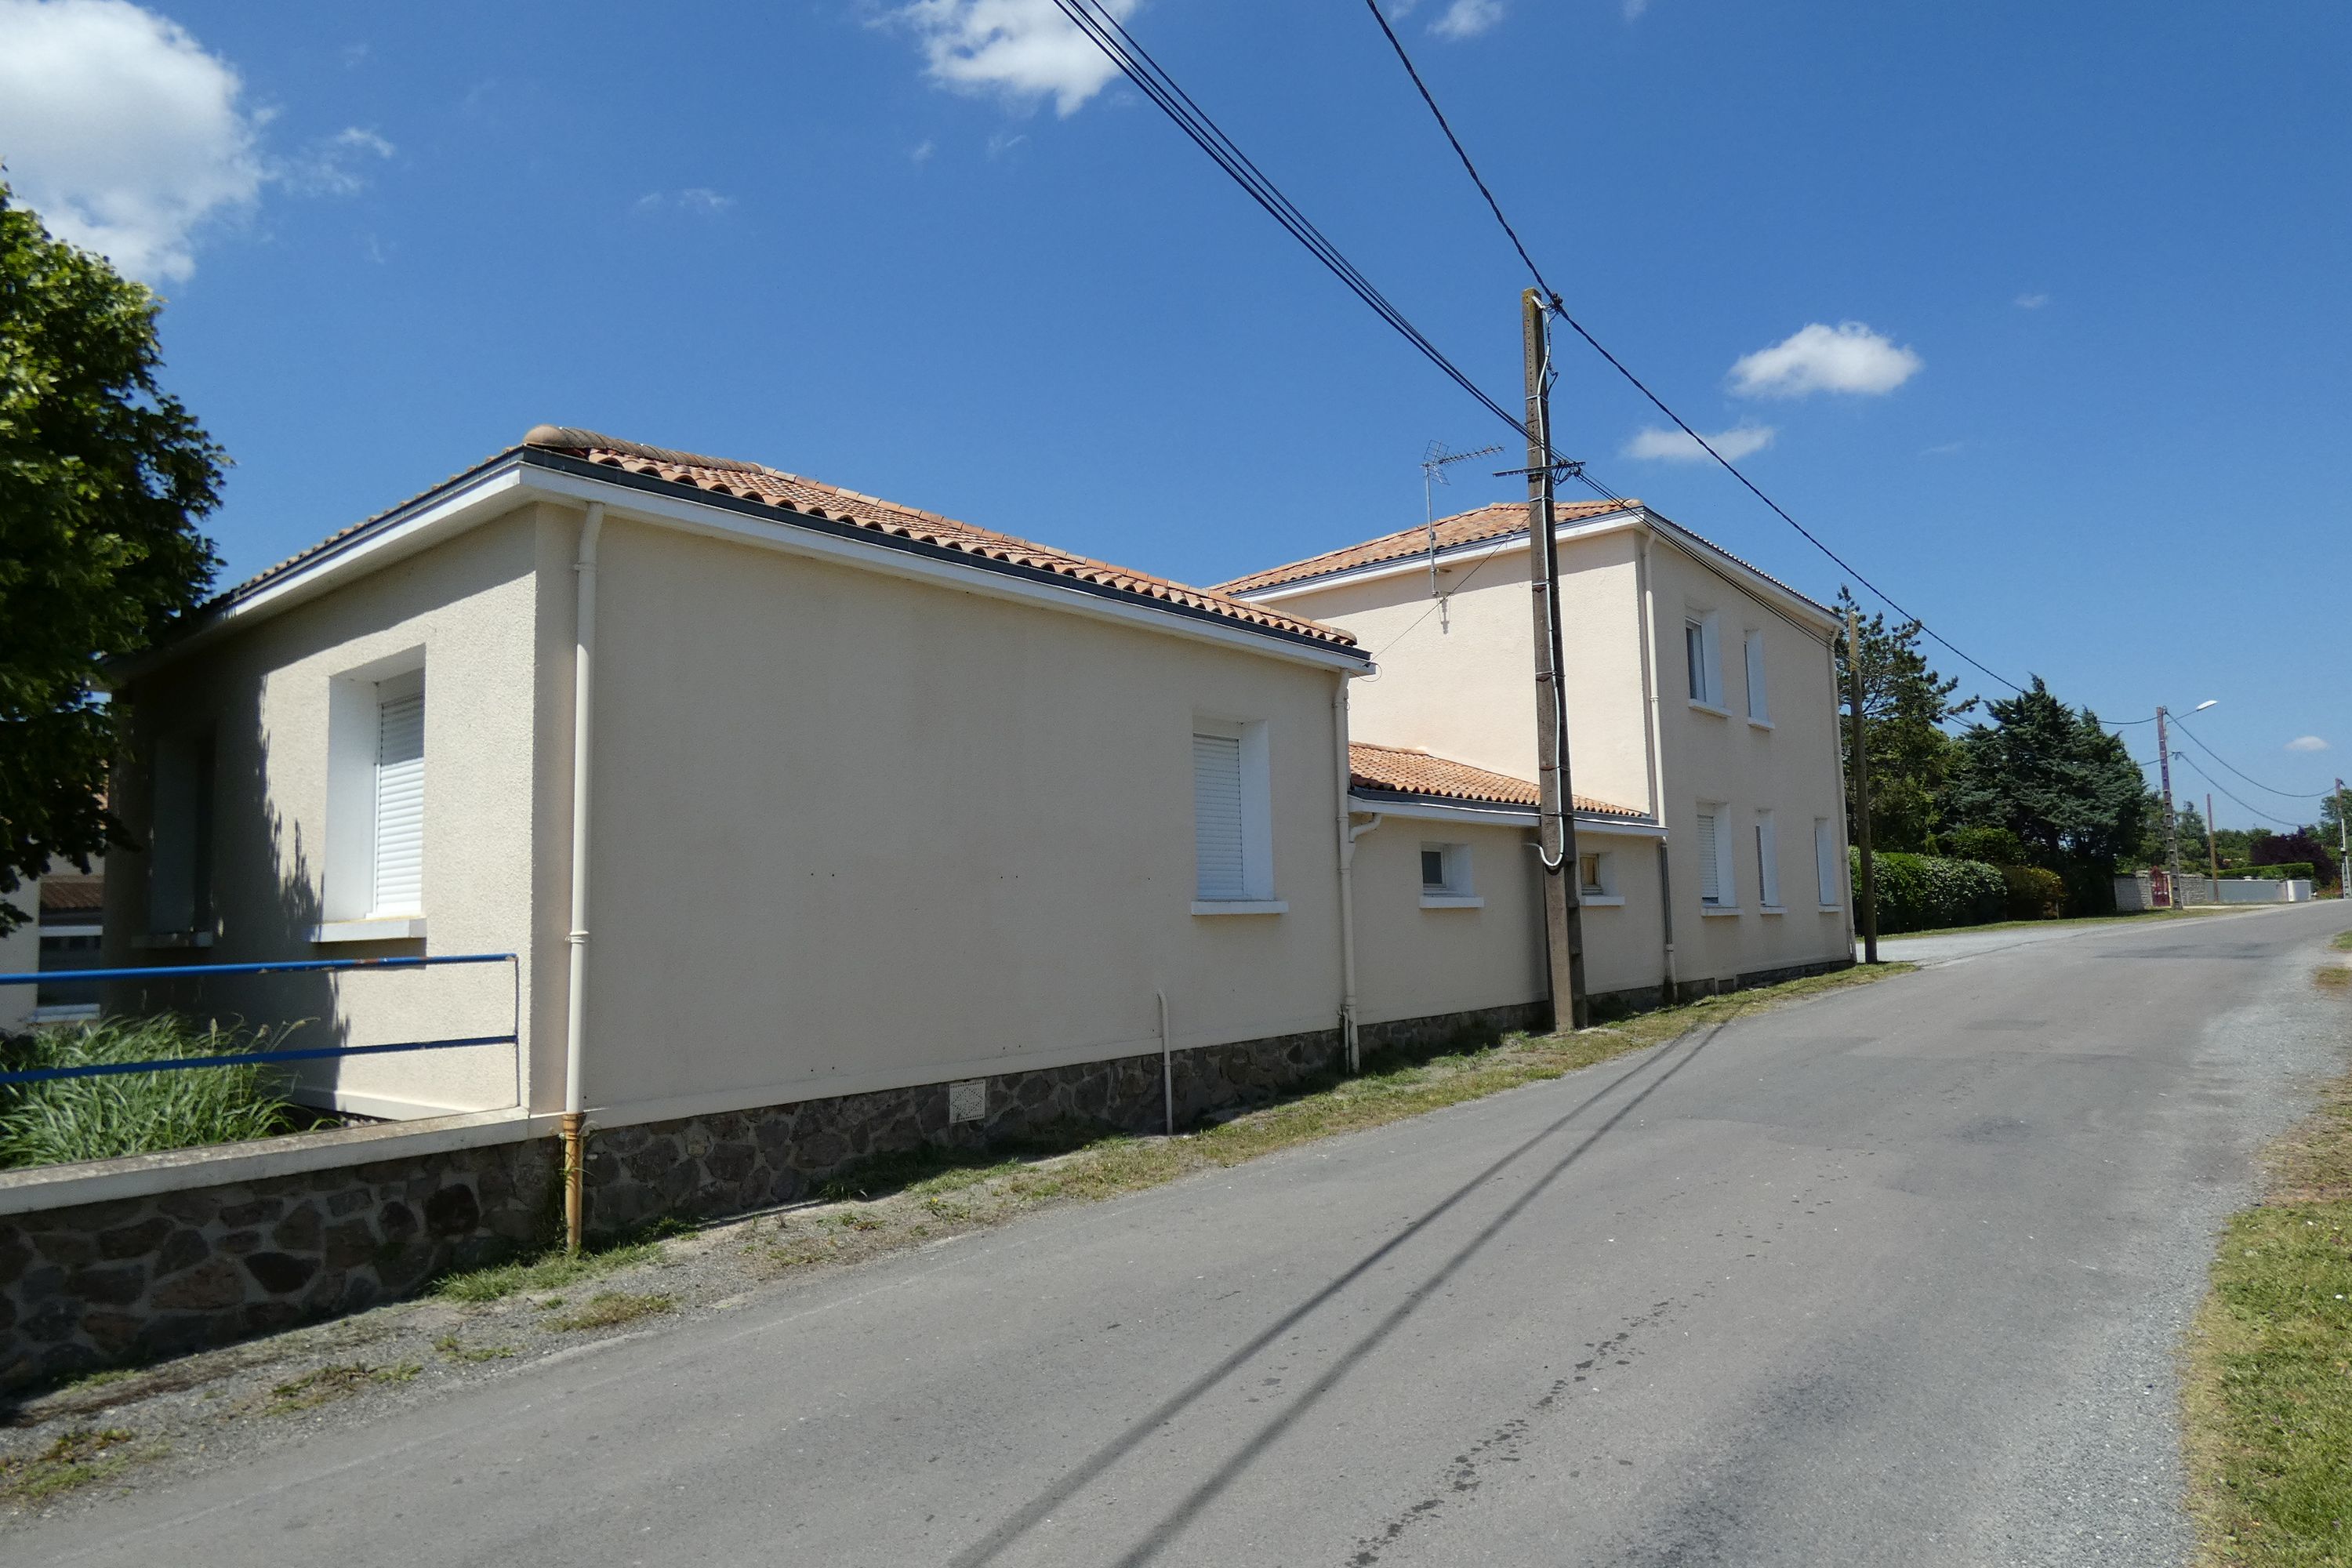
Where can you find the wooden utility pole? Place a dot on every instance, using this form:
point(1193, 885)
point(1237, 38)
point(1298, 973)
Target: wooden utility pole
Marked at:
point(1555, 821)
point(2212, 854)
point(1860, 788)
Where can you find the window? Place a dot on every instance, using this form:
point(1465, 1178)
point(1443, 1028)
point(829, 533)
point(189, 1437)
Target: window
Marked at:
point(1596, 878)
point(179, 867)
point(1828, 866)
point(1701, 652)
point(1233, 840)
point(1713, 881)
point(1445, 881)
point(398, 859)
point(1760, 709)
point(1768, 862)
point(375, 803)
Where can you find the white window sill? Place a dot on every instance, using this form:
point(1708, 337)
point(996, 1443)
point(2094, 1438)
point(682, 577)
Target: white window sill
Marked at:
point(1713, 910)
point(1600, 900)
point(168, 939)
point(1240, 907)
point(1771, 909)
point(1832, 909)
point(1709, 708)
point(1452, 901)
point(390, 928)
point(1757, 723)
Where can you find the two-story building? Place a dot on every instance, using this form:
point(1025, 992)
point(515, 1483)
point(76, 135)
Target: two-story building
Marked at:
point(1698, 688)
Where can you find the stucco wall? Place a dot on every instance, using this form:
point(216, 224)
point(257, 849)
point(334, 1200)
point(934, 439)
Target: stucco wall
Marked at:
point(262, 693)
point(854, 832)
point(1460, 681)
point(1411, 960)
point(1789, 767)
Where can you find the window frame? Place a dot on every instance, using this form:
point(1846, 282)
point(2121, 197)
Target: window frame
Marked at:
point(1760, 700)
point(1255, 760)
point(1704, 678)
point(1602, 891)
point(1829, 864)
point(350, 909)
point(1459, 890)
point(1723, 861)
point(1766, 834)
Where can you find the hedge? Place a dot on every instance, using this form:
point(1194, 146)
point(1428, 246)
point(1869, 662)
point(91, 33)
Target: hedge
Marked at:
point(2034, 894)
point(1928, 892)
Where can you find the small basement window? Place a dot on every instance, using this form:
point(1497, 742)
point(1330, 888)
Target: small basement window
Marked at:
point(1596, 875)
point(1446, 879)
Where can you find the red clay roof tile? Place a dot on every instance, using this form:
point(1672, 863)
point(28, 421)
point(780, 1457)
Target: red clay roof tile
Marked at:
point(1407, 770)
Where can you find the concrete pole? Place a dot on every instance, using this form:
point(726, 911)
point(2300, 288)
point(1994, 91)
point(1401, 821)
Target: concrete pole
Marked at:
point(1555, 821)
point(1860, 788)
point(2172, 823)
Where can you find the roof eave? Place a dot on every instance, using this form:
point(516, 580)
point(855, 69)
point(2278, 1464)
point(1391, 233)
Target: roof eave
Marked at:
point(497, 486)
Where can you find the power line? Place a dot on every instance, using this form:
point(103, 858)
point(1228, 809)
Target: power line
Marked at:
point(2257, 784)
point(2225, 794)
point(1105, 31)
point(1561, 309)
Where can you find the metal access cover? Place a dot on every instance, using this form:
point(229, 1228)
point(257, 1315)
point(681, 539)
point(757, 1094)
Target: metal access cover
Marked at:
point(968, 1100)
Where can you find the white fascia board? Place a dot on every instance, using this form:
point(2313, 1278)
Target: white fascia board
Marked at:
point(1590, 528)
point(1749, 579)
point(632, 504)
point(475, 501)
point(1495, 815)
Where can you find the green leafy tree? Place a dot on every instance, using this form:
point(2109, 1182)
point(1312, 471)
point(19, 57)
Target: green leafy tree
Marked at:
point(2055, 778)
point(1906, 706)
point(103, 477)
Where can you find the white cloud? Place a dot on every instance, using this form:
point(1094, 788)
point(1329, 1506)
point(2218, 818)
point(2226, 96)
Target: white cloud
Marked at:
point(122, 131)
point(1942, 449)
point(129, 139)
point(331, 166)
point(1674, 447)
point(2306, 743)
point(1024, 49)
point(700, 200)
point(2032, 301)
point(1633, 9)
point(920, 152)
point(1848, 357)
point(1468, 18)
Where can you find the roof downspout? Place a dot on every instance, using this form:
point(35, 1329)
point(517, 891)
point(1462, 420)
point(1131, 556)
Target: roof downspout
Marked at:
point(1348, 834)
point(583, 664)
point(1654, 724)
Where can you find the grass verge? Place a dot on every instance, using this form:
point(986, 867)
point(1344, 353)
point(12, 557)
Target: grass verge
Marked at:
point(326, 1385)
point(611, 1308)
point(554, 1272)
point(2267, 1403)
point(72, 1460)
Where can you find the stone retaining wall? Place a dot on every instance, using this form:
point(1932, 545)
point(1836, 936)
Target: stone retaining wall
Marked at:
point(135, 1278)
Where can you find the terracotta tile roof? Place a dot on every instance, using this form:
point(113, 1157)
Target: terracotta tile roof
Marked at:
point(1499, 521)
point(811, 497)
point(70, 893)
point(1405, 770)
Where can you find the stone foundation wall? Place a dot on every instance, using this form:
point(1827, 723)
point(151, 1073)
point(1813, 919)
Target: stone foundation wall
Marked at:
point(137, 1278)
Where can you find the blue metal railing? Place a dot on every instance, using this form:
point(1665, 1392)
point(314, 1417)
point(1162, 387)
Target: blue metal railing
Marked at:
point(248, 1058)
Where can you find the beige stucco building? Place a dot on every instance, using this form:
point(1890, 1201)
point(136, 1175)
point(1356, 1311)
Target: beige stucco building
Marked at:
point(757, 796)
point(1699, 690)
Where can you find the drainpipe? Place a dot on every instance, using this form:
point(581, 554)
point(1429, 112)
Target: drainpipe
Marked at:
point(1348, 836)
point(1656, 737)
point(584, 660)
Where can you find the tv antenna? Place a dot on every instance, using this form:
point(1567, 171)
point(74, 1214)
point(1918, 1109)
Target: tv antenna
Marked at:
point(1434, 464)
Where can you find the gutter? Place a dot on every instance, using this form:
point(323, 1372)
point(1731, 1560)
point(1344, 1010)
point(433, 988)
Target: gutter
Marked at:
point(584, 665)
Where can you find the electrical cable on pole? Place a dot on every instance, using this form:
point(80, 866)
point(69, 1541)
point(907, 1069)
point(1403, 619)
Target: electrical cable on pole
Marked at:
point(2272, 789)
point(1555, 821)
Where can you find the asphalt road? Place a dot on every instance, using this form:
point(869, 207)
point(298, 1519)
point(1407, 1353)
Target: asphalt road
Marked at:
point(1894, 1277)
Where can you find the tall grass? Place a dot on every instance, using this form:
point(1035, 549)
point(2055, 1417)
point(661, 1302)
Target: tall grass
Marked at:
point(136, 1113)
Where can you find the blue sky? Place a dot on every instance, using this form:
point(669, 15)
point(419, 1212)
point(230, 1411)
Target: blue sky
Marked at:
point(2091, 424)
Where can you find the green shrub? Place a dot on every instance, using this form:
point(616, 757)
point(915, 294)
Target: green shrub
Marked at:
point(2034, 894)
point(135, 1113)
point(1994, 846)
point(1928, 892)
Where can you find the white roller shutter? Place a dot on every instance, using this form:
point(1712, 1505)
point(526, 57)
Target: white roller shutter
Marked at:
point(1710, 860)
point(1217, 817)
point(1768, 862)
point(1825, 863)
point(400, 806)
